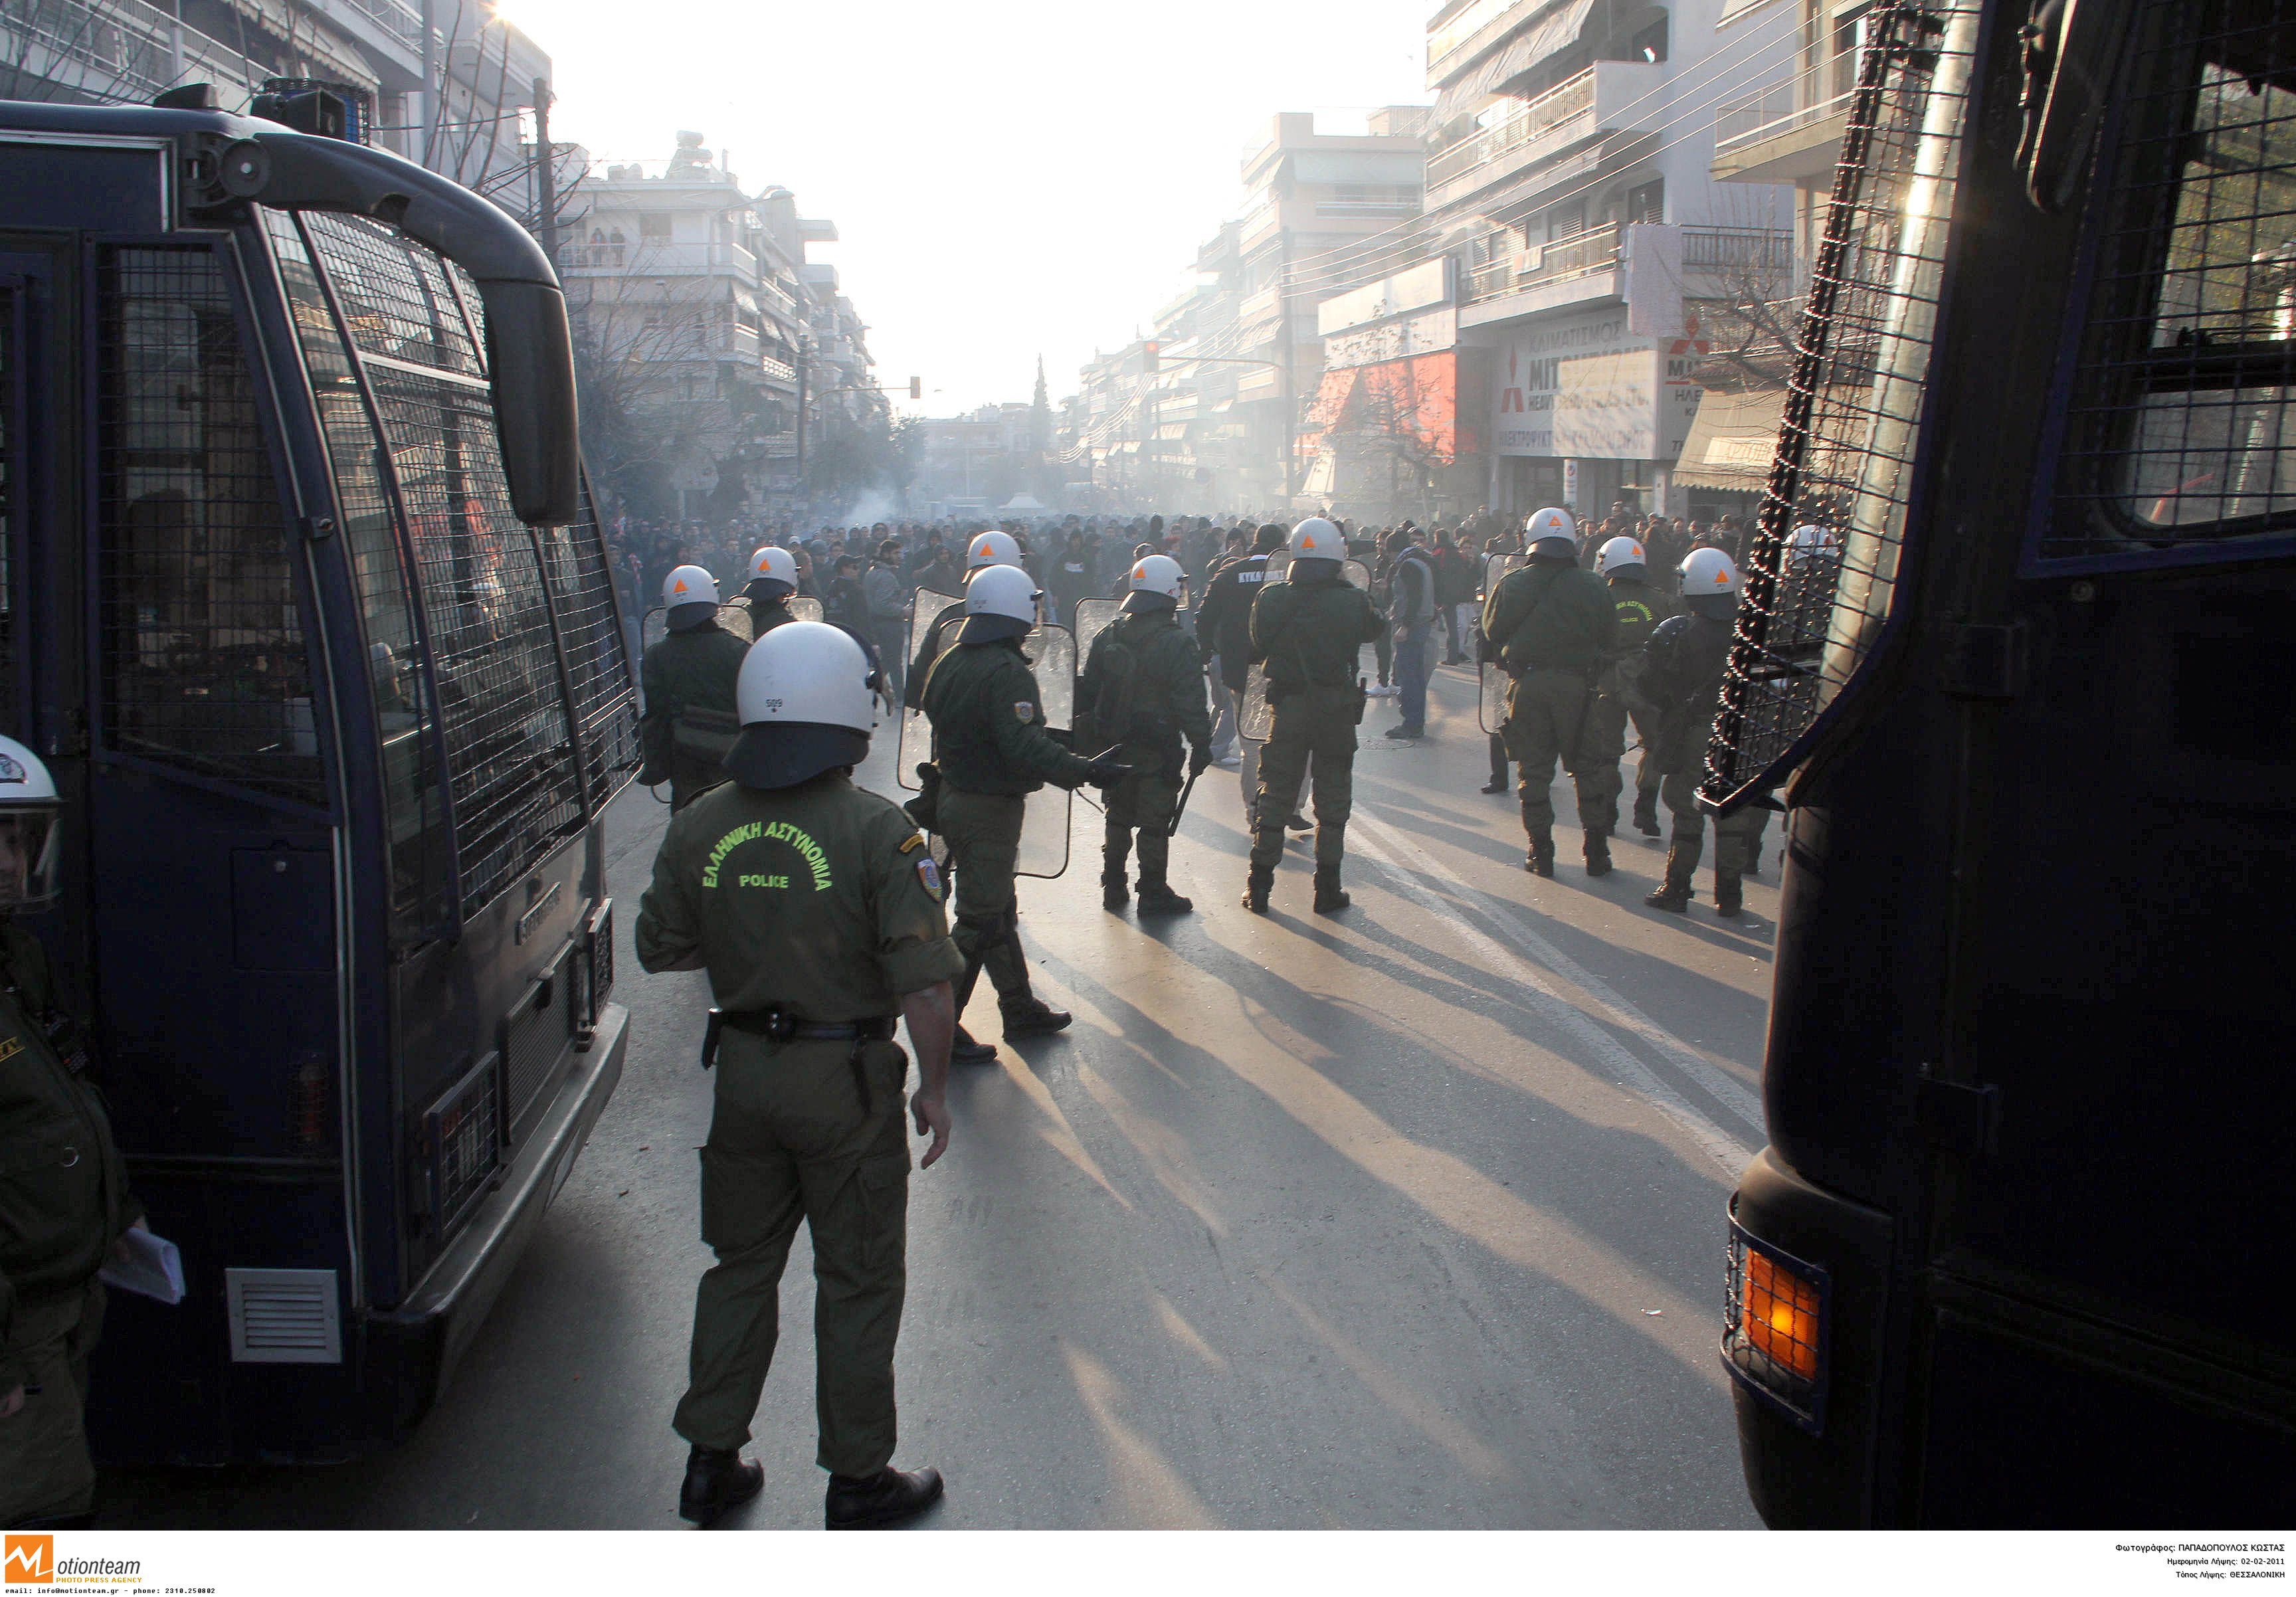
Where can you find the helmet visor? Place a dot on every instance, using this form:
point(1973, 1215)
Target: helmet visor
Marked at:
point(27, 858)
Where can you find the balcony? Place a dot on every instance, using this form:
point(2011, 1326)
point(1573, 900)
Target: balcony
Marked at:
point(1733, 251)
point(1610, 96)
point(1789, 131)
point(129, 49)
point(1577, 269)
point(646, 259)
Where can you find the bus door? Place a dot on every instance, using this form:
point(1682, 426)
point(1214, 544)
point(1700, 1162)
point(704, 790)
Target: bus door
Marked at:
point(213, 858)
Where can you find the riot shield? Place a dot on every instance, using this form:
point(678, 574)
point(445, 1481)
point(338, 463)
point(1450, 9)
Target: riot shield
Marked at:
point(916, 732)
point(1490, 707)
point(733, 615)
point(1052, 655)
point(1255, 718)
point(1093, 617)
point(806, 608)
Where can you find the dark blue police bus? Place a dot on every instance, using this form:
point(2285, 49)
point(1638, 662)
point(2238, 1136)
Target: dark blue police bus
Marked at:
point(300, 600)
point(2017, 653)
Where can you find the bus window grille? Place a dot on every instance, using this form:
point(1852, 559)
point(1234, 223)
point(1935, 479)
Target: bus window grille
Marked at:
point(1821, 577)
point(396, 302)
point(11, 307)
point(597, 658)
point(2183, 426)
point(407, 716)
point(503, 709)
point(203, 662)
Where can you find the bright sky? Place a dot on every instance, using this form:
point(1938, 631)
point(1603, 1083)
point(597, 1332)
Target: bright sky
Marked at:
point(1007, 179)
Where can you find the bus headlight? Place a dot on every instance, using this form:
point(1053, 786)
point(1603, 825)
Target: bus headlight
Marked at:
point(1773, 1339)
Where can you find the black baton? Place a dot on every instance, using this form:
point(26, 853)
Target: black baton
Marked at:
point(1181, 808)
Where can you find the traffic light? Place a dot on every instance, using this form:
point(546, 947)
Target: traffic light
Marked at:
point(916, 387)
point(1149, 352)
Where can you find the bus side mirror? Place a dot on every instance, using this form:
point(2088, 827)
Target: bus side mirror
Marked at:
point(531, 357)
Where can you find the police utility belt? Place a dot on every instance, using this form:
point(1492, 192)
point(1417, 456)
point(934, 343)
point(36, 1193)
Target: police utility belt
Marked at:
point(781, 1026)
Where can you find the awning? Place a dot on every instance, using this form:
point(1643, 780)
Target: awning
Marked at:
point(1332, 397)
point(1731, 441)
point(1556, 31)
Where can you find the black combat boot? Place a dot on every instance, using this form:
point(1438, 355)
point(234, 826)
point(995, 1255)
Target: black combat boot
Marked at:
point(1256, 887)
point(1329, 899)
point(1030, 1016)
point(717, 1480)
point(885, 1498)
point(1114, 851)
point(1300, 823)
point(1598, 854)
point(1729, 898)
point(963, 1048)
point(1540, 860)
point(1646, 812)
point(1157, 898)
point(1113, 894)
point(1674, 894)
point(1497, 784)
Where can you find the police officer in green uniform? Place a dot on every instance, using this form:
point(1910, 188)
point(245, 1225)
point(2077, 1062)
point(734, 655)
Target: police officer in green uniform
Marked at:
point(986, 549)
point(1309, 631)
point(816, 909)
point(1551, 626)
point(991, 750)
point(1640, 606)
point(1144, 687)
point(689, 675)
point(64, 1204)
point(1681, 682)
point(773, 578)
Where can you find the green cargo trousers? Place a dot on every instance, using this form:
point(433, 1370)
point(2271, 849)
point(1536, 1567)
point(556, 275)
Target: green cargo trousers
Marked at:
point(1317, 723)
point(1144, 801)
point(1732, 834)
point(46, 1473)
point(790, 1139)
point(1548, 713)
point(983, 834)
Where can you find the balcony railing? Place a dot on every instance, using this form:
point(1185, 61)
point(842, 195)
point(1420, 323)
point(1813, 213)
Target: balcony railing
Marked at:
point(1532, 119)
point(127, 49)
point(1559, 260)
point(1736, 250)
point(1805, 97)
point(648, 259)
point(1340, 210)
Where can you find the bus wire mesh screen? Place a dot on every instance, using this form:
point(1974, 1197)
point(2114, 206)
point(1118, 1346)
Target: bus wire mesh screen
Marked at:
point(405, 717)
point(203, 664)
point(2181, 430)
point(1822, 574)
point(11, 477)
point(477, 573)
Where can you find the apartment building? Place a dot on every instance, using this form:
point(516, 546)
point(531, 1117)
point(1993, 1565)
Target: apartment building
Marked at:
point(452, 87)
point(713, 353)
point(1576, 262)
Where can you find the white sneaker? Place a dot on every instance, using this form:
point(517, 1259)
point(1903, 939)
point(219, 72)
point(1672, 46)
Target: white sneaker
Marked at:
point(1230, 762)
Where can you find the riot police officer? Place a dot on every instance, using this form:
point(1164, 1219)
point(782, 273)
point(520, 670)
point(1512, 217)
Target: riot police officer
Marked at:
point(1551, 626)
point(991, 750)
point(816, 909)
point(773, 578)
point(986, 549)
point(1223, 625)
point(1309, 631)
point(1144, 687)
point(68, 1205)
point(1625, 565)
point(1682, 682)
point(689, 677)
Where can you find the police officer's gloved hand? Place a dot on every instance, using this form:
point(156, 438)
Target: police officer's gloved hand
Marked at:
point(1200, 761)
point(1107, 771)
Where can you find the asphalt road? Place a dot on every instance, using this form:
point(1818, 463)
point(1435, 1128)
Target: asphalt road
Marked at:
point(1411, 1216)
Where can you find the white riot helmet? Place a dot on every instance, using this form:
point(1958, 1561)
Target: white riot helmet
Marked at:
point(773, 563)
point(1618, 555)
point(1810, 542)
point(991, 548)
point(29, 810)
point(1551, 525)
point(1000, 602)
point(1157, 574)
point(808, 699)
point(1707, 572)
point(689, 596)
point(1319, 538)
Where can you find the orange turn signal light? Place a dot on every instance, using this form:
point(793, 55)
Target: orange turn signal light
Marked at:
point(1780, 1314)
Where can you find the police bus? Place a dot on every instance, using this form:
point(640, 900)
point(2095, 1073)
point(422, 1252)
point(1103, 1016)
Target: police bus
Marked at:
point(300, 601)
point(2014, 656)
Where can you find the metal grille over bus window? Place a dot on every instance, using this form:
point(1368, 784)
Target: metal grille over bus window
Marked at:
point(2182, 425)
point(501, 708)
point(597, 658)
point(203, 662)
point(412, 785)
point(1822, 575)
point(10, 302)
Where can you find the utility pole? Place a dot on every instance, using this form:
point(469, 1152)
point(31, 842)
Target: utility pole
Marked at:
point(545, 172)
point(430, 85)
point(1288, 351)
